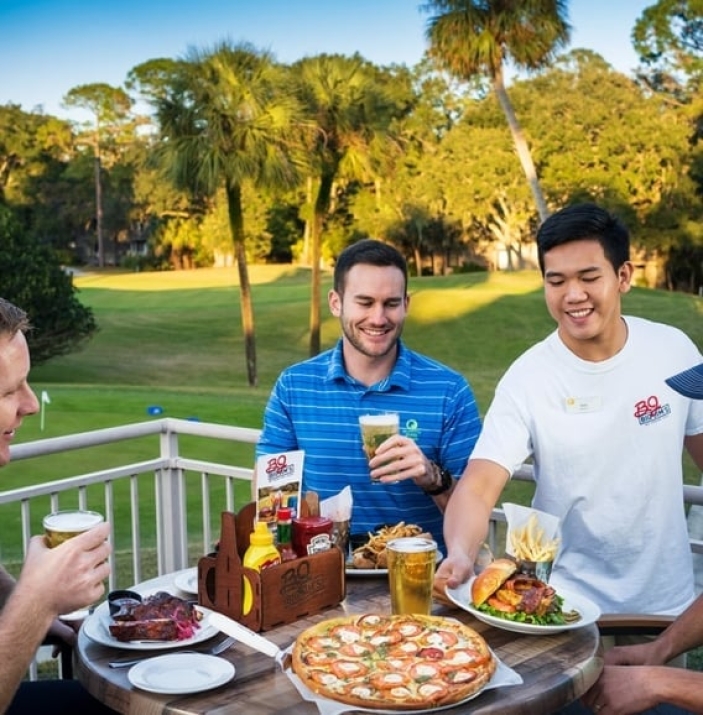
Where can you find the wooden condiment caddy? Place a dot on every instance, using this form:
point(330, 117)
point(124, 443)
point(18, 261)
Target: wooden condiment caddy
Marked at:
point(282, 593)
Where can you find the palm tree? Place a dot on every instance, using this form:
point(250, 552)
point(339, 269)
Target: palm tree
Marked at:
point(226, 120)
point(477, 37)
point(351, 109)
point(110, 106)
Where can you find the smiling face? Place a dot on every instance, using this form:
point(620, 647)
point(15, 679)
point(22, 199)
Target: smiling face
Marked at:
point(583, 294)
point(16, 396)
point(372, 309)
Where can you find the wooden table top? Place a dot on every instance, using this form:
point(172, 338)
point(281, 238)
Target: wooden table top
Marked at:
point(556, 669)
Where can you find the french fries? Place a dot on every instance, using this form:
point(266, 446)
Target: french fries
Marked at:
point(529, 543)
point(372, 554)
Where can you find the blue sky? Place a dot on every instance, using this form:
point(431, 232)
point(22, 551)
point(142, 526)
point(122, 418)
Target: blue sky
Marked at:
point(49, 46)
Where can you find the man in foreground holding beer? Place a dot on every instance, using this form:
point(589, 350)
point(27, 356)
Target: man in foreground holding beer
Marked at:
point(52, 581)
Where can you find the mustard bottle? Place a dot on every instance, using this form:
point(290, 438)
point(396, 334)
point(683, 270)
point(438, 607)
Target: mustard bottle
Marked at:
point(261, 553)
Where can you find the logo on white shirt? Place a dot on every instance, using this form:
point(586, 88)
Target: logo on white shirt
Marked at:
point(651, 410)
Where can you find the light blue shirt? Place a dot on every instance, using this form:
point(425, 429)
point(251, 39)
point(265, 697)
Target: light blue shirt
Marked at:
point(315, 406)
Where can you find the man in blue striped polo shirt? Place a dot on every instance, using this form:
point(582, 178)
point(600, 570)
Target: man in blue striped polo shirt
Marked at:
point(315, 405)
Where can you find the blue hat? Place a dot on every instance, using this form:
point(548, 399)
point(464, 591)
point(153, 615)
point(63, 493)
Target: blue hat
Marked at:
point(689, 382)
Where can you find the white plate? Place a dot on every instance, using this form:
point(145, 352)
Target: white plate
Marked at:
point(187, 581)
point(350, 570)
point(96, 627)
point(590, 613)
point(180, 673)
point(74, 616)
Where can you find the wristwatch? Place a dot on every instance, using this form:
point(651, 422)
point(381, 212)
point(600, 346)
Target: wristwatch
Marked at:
point(445, 481)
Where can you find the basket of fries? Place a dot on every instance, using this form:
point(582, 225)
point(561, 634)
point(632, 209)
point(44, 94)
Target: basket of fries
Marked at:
point(532, 540)
point(371, 554)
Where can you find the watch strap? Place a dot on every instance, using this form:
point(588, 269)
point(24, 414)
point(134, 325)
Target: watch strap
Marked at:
point(445, 481)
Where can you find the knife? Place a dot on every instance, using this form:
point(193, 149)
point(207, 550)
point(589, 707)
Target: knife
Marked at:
point(244, 635)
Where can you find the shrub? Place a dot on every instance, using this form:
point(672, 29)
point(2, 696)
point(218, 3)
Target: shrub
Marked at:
point(32, 278)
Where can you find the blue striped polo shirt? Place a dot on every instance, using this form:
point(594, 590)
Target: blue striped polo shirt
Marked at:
point(315, 406)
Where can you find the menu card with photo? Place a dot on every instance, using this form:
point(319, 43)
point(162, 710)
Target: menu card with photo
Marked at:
point(278, 482)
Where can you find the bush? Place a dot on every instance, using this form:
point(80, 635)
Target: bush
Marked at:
point(32, 278)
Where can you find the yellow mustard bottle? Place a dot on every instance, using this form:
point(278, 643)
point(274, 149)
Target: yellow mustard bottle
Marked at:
point(262, 553)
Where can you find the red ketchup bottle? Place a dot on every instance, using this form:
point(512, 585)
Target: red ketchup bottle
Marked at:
point(311, 534)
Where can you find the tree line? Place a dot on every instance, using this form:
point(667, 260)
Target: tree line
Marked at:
point(226, 155)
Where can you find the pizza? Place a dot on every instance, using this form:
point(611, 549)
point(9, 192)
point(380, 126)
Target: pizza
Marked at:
point(388, 662)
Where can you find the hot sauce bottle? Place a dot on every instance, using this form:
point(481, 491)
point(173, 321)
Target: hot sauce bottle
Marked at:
point(284, 531)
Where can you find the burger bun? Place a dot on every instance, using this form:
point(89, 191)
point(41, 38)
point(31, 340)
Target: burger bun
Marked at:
point(491, 579)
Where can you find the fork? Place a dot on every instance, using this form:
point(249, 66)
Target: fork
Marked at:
point(212, 650)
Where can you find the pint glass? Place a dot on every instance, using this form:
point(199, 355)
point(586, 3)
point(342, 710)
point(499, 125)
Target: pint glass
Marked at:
point(376, 429)
point(411, 567)
point(59, 526)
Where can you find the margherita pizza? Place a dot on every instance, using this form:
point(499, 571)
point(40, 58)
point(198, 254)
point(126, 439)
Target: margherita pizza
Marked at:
point(393, 662)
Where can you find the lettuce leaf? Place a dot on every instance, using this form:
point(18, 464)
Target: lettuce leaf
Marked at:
point(553, 618)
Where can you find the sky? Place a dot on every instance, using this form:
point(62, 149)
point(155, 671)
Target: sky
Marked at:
point(47, 47)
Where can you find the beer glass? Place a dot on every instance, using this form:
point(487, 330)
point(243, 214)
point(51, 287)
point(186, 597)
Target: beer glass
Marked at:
point(411, 567)
point(59, 526)
point(376, 429)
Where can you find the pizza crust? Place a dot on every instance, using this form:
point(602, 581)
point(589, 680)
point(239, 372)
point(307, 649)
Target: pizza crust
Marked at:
point(393, 662)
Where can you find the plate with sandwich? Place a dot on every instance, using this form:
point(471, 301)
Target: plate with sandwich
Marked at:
point(503, 597)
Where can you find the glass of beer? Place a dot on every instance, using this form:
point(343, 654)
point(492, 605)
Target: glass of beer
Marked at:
point(411, 566)
point(376, 429)
point(60, 526)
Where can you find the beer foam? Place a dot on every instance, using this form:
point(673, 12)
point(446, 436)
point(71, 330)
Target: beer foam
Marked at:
point(411, 545)
point(379, 420)
point(72, 520)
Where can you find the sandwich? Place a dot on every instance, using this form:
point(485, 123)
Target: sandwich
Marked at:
point(501, 591)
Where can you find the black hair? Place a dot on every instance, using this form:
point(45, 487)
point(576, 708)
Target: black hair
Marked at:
point(372, 252)
point(581, 222)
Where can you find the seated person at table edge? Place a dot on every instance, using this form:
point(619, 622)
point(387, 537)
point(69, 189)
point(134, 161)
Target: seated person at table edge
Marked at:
point(29, 607)
point(590, 406)
point(315, 405)
point(635, 677)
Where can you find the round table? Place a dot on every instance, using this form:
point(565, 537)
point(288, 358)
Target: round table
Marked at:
point(556, 669)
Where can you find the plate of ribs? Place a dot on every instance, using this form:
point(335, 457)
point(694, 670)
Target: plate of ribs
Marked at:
point(159, 621)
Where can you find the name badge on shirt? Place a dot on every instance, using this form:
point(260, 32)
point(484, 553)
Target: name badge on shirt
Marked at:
point(579, 405)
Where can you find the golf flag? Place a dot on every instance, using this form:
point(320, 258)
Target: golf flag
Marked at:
point(45, 400)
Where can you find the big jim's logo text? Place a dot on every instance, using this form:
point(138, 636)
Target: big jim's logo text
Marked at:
point(299, 584)
point(278, 468)
point(650, 410)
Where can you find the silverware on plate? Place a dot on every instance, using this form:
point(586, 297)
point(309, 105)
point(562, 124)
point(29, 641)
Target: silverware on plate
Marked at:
point(216, 649)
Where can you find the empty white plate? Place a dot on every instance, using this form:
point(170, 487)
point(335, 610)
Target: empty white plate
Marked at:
point(181, 673)
point(187, 581)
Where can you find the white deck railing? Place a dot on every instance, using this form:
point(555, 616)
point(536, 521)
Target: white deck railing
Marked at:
point(169, 468)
